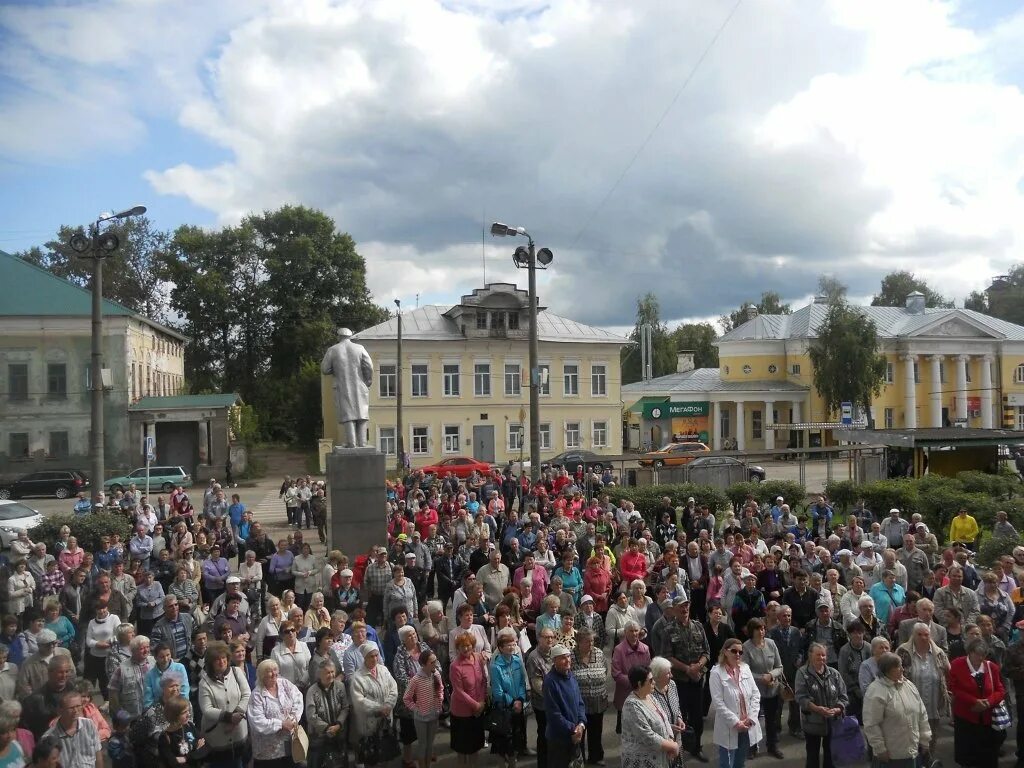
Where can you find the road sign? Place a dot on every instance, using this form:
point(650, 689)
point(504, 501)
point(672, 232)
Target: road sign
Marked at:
point(150, 448)
point(847, 413)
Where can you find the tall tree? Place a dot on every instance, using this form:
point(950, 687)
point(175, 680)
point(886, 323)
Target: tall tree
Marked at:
point(978, 301)
point(848, 363)
point(770, 304)
point(1006, 296)
point(131, 274)
point(700, 338)
point(896, 286)
point(831, 288)
point(648, 311)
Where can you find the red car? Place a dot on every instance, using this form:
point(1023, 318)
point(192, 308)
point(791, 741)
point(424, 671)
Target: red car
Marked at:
point(461, 467)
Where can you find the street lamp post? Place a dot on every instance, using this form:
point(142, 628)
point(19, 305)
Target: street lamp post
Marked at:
point(98, 245)
point(399, 440)
point(530, 259)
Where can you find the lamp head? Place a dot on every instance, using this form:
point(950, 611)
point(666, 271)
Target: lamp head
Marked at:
point(521, 257)
point(79, 243)
point(108, 242)
point(500, 230)
point(545, 256)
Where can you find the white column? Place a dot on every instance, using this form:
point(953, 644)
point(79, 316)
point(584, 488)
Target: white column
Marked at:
point(741, 428)
point(716, 425)
point(909, 394)
point(769, 425)
point(961, 386)
point(986, 392)
point(797, 416)
point(935, 395)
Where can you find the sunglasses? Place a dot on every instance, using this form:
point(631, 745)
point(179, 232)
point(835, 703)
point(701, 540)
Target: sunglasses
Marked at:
point(736, 651)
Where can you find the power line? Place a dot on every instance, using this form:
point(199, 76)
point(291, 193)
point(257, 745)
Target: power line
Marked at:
point(657, 125)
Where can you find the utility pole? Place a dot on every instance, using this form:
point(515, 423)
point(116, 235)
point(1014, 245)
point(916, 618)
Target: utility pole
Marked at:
point(399, 436)
point(534, 370)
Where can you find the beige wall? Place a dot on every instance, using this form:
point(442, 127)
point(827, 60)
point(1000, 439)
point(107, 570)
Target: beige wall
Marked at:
point(499, 409)
point(155, 362)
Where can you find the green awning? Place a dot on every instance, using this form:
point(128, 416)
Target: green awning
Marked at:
point(638, 406)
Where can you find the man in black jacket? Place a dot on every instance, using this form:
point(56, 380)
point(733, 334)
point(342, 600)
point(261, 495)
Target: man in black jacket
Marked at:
point(448, 570)
point(790, 643)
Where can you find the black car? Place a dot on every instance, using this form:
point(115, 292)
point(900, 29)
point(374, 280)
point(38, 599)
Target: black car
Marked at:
point(755, 474)
point(572, 459)
point(62, 483)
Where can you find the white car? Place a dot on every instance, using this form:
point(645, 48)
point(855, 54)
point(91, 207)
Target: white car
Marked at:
point(15, 517)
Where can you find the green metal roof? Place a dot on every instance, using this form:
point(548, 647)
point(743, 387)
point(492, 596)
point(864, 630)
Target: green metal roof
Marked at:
point(31, 291)
point(185, 401)
point(638, 406)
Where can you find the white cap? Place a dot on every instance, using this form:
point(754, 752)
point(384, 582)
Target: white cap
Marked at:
point(560, 650)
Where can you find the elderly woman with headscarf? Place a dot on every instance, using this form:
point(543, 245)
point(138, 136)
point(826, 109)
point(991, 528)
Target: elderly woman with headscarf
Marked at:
point(374, 694)
point(327, 710)
point(274, 711)
point(926, 665)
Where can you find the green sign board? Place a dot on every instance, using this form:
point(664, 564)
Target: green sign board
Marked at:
point(656, 411)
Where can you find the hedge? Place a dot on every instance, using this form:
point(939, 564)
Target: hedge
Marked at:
point(647, 498)
point(86, 528)
point(792, 492)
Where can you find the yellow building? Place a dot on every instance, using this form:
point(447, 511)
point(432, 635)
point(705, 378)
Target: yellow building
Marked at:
point(465, 374)
point(945, 367)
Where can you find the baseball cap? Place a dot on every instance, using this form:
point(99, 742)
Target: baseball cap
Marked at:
point(346, 572)
point(402, 537)
point(778, 498)
point(560, 650)
point(842, 552)
point(745, 574)
point(680, 600)
point(822, 604)
point(586, 599)
point(233, 580)
point(410, 555)
point(46, 636)
point(416, 534)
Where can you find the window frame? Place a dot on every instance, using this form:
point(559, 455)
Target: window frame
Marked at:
point(515, 437)
point(1018, 374)
point(889, 418)
point(446, 448)
point(391, 378)
point(565, 435)
point(19, 394)
point(601, 377)
point(52, 375)
point(513, 380)
point(18, 454)
point(890, 372)
point(480, 377)
point(601, 426)
point(544, 430)
point(63, 444)
point(451, 382)
point(757, 425)
point(422, 377)
point(382, 440)
point(413, 437)
point(568, 377)
point(543, 389)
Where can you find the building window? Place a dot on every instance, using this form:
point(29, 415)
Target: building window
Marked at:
point(544, 387)
point(599, 434)
point(57, 381)
point(388, 379)
point(497, 319)
point(756, 425)
point(724, 424)
point(419, 380)
point(513, 321)
point(452, 438)
point(794, 369)
point(451, 380)
point(59, 445)
point(481, 321)
point(515, 437)
point(890, 375)
point(17, 381)
point(18, 444)
point(599, 380)
point(917, 373)
point(545, 436)
point(1018, 374)
point(889, 418)
point(386, 440)
point(420, 440)
point(572, 434)
point(513, 379)
point(571, 379)
point(1020, 418)
point(482, 379)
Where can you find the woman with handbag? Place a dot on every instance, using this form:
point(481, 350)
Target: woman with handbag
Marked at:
point(822, 698)
point(895, 719)
point(737, 702)
point(223, 700)
point(648, 739)
point(274, 711)
point(925, 664)
point(765, 662)
point(327, 709)
point(468, 674)
point(978, 707)
point(374, 695)
point(508, 700)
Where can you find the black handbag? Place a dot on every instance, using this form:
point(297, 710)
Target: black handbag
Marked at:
point(498, 720)
point(380, 745)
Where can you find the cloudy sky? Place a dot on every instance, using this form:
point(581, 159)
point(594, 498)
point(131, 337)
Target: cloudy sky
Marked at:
point(849, 137)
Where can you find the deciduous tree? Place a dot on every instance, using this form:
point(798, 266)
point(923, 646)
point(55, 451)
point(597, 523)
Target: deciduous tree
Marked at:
point(700, 338)
point(896, 286)
point(848, 363)
point(648, 311)
point(770, 304)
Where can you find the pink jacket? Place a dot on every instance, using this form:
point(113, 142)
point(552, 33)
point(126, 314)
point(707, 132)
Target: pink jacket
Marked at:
point(469, 685)
point(539, 578)
point(624, 659)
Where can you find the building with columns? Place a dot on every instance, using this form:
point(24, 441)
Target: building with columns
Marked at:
point(944, 367)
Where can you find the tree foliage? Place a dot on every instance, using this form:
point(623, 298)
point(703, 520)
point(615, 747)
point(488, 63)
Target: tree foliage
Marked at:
point(700, 338)
point(648, 311)
point(831, 288)
point(770, 304)
point(896, 286)
point(131, 274)
point(261, 302)
point(978, 301)
point(1006, 296)
point(848, 365)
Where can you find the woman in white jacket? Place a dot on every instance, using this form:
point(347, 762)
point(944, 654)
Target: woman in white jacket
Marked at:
point(223, 703)
point(374, 694)
point(737, 703)
point(20, 588)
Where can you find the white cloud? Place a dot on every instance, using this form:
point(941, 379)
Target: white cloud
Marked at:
point(850, 136)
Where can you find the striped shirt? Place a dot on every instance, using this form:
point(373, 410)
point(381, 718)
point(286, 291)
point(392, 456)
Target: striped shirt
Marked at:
point(78, 749)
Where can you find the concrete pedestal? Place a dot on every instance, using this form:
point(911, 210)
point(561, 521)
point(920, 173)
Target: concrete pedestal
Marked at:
point(355, 490)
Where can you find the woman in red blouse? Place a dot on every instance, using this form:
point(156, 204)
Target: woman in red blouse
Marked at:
point(976, 688)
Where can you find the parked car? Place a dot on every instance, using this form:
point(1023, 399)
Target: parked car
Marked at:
point(62, 483)
point(16, 517)
point(460, 466)
point(754, 473)
point(571, 459)
point(161, 478)
point(673, 455)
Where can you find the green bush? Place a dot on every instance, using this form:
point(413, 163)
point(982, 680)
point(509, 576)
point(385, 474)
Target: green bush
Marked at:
point(882, 495)
point(997, 486)
point(792, 492)
point(994, 547)
point(737, 493)
point(647, 498)
point(843, 494)
point(86, 528)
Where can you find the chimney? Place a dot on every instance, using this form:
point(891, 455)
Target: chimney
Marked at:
point(684, 361)
point(915, 303)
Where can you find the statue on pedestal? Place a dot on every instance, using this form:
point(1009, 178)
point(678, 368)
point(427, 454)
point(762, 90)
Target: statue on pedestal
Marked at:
point(350, 365)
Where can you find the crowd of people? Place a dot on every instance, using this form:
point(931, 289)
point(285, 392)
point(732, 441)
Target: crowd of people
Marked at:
point(495, 608)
